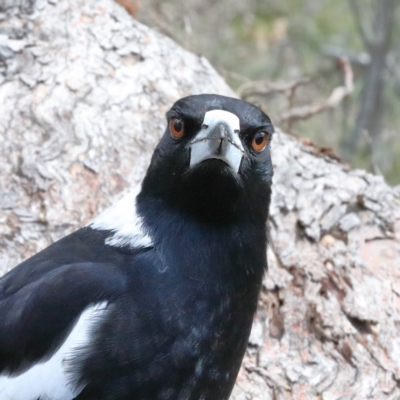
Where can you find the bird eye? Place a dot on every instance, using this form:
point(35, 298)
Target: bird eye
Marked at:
point(260, 140)
point(176, 127)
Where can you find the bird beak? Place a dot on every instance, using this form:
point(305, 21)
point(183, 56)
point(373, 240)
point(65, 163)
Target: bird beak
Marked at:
point(218, 139)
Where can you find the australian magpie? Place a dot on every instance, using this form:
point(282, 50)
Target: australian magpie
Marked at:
point(153, 299)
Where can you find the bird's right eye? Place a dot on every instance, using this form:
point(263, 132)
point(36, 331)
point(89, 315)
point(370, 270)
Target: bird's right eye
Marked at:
point(176, 127)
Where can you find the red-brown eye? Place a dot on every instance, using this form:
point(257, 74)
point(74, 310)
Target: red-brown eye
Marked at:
point(260, 140)
point(176, 127)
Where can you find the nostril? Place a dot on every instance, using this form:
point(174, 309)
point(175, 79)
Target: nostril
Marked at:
point(219, 149)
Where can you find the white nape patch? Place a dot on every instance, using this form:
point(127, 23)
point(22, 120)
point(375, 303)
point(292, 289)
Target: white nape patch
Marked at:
point(53, 379)
point(123, 220)
point(202, 148)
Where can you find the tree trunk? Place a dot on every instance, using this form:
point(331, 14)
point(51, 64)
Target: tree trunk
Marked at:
point(83, 92)
point(377, 43)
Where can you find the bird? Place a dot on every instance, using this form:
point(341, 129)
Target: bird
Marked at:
point(154, 298)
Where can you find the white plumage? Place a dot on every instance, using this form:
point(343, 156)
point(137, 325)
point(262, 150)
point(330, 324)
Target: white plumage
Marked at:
point(123, 219)
point(53, 378)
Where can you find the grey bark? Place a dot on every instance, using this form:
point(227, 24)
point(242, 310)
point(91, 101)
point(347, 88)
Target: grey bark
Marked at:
point(83, 93)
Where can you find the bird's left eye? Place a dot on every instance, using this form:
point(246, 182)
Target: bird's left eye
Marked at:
point(260, 140)
point(176, 127)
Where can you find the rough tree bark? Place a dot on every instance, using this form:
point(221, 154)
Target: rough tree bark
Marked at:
point(83, 91)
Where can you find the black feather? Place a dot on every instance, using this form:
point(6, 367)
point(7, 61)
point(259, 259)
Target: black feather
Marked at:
point(180, 311)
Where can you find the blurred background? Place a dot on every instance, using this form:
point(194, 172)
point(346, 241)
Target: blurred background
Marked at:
point(324, 70)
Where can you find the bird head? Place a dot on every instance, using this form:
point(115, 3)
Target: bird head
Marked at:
point(214, 157)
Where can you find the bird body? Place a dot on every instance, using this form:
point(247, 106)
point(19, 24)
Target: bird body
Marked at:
point(154, 299)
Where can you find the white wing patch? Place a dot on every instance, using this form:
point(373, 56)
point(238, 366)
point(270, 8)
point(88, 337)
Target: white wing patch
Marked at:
point(53, 379)
point(123, 220)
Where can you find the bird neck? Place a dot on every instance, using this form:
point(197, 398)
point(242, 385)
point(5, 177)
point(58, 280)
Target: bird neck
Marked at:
point(206, 225)
point(203, 248)
point(211, 195)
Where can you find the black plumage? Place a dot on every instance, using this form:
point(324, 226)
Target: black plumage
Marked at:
point(177, 297)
